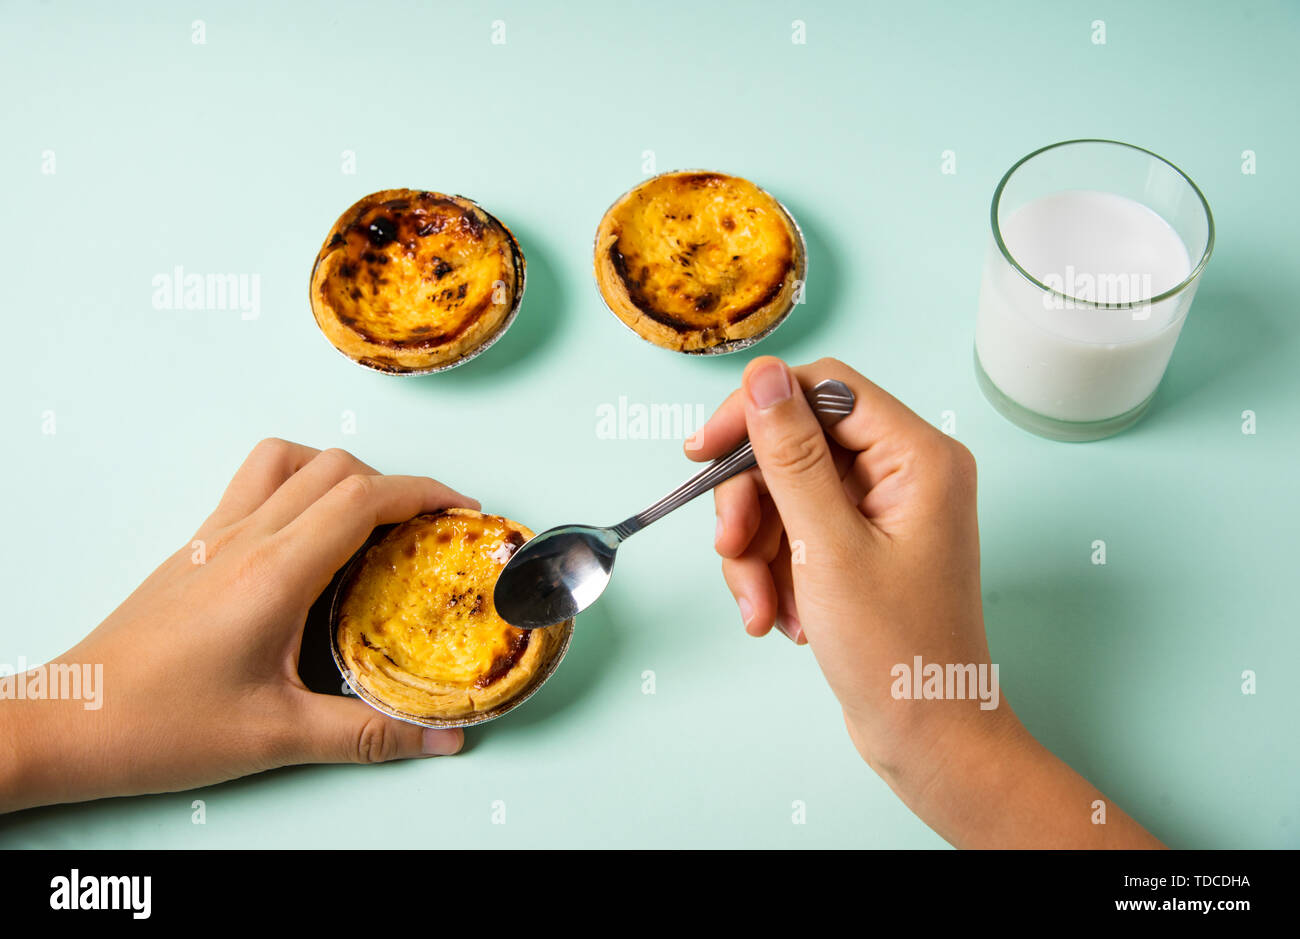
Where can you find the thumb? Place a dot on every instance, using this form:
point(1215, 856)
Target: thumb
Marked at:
point(791, 449)
point(344, 730)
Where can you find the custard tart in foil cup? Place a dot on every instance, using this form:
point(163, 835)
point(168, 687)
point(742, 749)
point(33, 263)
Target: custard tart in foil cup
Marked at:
point(414, 630)
point(700, 262)
point(411, 282)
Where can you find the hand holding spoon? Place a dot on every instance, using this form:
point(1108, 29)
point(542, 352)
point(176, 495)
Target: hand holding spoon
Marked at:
point(559, 573)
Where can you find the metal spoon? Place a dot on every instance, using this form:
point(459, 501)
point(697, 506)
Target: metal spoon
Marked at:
point(559, 573)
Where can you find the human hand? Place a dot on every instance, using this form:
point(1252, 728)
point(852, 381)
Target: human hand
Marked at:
point(200, 662)
point(866, 547)
point(881, 522)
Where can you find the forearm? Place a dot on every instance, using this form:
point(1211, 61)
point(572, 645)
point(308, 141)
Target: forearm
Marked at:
point(53, 747)
point(993, 785)
point(34, 733)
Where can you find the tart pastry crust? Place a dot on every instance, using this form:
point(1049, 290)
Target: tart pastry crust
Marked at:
point(416, 624)
point(691, 260)
point(410, 281)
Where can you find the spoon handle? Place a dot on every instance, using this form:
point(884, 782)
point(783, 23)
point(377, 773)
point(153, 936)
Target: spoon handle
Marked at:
point(831, 401)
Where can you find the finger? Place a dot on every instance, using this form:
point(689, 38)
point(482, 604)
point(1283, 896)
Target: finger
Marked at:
point(307, 485)
point(265, 469)
point(320, 540)
point(770, 535)
point(335, 729)
point(882, 435)
point(736, 504)
point(877, 415)
point(748, 576)
point(792, 451)
point(750, 583)
point(721, 432)
point(787, 613)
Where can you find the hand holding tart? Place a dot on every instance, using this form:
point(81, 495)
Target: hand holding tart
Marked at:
point(415, 629)
point(699, 262)
point(413, 282)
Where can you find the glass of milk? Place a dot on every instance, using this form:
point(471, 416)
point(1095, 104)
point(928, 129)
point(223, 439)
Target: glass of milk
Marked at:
point(1096, 253)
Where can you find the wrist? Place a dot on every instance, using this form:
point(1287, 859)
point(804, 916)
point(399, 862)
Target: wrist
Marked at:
point(949, 758)
point(904, 740)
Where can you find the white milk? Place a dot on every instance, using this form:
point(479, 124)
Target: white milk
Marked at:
point(1076, 362)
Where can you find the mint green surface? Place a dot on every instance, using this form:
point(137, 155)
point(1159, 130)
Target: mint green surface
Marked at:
point(226, 157)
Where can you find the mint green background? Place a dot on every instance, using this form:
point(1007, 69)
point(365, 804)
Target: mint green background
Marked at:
point(226, 157)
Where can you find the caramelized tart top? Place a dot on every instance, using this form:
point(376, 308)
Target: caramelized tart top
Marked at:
point(409, 279)
point(698, 251)
point(417, 625)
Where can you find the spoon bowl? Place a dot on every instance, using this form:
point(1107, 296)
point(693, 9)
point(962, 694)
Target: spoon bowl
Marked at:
point(555, 575)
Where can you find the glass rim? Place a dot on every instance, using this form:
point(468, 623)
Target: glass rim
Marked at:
point(1128, 305)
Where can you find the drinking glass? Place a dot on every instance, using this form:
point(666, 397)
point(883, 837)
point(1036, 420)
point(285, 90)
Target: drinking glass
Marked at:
point(1097, 248)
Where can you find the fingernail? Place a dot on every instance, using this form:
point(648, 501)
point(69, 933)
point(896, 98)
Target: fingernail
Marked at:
point(769, 385)
point(441, 742)
point(790, 626)
point(746, 610)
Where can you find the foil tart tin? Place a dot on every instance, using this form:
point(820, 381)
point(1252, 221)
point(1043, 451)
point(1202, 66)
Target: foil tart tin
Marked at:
point(732, 345)
point(470, 720)
point(521, 279)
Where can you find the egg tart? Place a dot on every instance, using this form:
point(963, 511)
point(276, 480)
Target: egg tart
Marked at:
point(699, 262)
point(413, 282)
point(416, 631)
